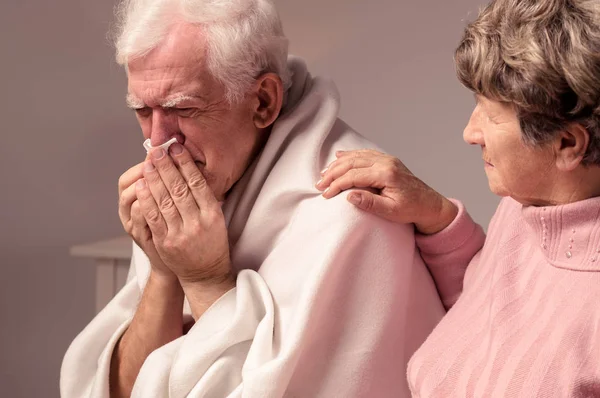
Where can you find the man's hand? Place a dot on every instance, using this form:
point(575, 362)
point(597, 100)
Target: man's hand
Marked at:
point(134, 222)
point(185, 219)
point(401, 197)
point(158, 319)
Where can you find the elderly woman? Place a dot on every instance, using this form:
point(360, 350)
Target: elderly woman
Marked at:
point(525, 305)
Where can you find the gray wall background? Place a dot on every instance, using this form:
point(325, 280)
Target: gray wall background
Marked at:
point(66, 138)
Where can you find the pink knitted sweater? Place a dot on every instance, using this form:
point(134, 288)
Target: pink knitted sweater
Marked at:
point(527, 323)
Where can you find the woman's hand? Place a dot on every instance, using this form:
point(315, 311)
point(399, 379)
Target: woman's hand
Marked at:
point(394, 192)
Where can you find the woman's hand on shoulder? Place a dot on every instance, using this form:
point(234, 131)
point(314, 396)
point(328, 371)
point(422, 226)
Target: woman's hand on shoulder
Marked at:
point(384, 186)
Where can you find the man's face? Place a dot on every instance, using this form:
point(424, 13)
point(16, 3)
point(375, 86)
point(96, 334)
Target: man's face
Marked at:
point(175, 96)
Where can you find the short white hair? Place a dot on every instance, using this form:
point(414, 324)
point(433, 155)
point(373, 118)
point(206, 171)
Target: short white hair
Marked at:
point(244, 37)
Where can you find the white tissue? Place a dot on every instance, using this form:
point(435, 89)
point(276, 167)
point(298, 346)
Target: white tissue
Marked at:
point(164, 146)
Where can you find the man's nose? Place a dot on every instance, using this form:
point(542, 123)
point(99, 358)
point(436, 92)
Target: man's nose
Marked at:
point(473, 133)
point(164, 126)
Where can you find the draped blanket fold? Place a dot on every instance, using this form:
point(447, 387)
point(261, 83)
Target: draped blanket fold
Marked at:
point(330, 301)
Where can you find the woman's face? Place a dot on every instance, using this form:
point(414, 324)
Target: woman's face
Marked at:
point(513, 168)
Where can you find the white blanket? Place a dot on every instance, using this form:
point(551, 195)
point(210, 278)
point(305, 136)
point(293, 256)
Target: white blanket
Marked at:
point(330, 301)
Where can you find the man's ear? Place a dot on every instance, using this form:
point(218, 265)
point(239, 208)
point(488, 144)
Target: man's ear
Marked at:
point(570, 146)
point(268, 91)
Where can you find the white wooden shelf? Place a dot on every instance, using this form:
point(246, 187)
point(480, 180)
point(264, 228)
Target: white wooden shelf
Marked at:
point(112, 259)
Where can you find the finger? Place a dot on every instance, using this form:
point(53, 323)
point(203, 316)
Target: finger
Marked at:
point(161, 195)
point(126, 199)
point(128, 178)
point(339, 154)
point(355, 178)
point(340, 167)
point(372, 203)
point(142, 234)
point(194, 178)
point(175, 184)
point(140, 230)
point(149, 210)
point(359, 153)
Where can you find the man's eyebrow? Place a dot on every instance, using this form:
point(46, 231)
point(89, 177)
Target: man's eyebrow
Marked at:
point(177, 99)
point(134, 102)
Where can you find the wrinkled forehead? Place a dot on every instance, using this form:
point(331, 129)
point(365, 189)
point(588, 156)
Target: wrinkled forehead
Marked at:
point(177, 66)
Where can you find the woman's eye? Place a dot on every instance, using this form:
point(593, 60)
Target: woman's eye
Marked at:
point(491, 119)
point(143, 112)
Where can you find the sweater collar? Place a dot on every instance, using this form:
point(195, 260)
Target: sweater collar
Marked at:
point(568, 235)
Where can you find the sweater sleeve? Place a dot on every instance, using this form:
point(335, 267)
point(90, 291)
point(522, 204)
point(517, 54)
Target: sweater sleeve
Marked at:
point(449, 252)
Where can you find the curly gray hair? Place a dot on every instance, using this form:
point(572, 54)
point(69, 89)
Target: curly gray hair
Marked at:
point(543, 58)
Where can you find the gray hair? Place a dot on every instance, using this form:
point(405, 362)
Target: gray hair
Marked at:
point(244, 37)
point(542, 57)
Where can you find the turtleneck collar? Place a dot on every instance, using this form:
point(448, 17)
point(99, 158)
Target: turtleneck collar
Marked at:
point(568, 235)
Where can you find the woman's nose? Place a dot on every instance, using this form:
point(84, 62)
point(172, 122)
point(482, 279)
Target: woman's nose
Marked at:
point(473, 133)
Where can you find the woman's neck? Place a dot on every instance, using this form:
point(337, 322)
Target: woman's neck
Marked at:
point(567, 187)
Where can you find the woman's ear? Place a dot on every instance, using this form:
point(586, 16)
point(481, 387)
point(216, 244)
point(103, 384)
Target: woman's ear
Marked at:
point(570, 147)
point(268, 91)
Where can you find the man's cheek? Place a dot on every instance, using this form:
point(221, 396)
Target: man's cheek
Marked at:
point(218, 185)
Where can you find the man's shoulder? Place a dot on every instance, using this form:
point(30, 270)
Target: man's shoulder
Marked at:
point(344, 137)
point(319, 215)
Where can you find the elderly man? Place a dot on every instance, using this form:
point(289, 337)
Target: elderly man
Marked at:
point(292, 295)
